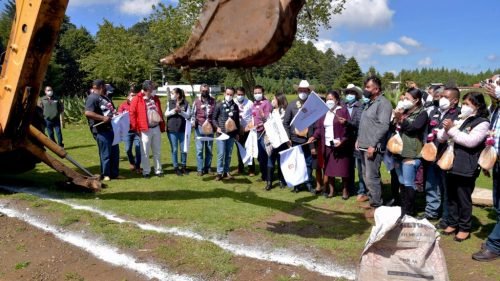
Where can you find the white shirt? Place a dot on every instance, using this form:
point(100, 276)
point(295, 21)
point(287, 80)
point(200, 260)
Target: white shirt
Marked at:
point(245, 109)
point(329, 135)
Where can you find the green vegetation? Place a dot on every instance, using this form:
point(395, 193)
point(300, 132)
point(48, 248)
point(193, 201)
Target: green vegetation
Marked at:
point(73, 276)
point(22, 265)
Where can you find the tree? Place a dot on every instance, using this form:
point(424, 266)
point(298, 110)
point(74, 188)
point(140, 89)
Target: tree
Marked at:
point(6, 18)
point(351, 73)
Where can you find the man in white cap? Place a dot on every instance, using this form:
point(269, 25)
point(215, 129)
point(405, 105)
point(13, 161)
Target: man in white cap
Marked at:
point(300, 137)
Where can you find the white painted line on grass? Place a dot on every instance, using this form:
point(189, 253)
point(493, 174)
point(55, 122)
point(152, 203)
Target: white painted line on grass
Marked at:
point(97, 249)
point(282, 256)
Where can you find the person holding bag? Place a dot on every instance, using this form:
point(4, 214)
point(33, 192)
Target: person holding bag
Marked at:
point(467, 135)
point(227, 120)
point(201, 119)
point(177, 113)
point(411, 121)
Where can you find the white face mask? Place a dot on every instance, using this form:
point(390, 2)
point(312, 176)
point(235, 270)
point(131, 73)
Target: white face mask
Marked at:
point(429, 99)
point(228, 98)
point(497, 92)
point(240, 98)
point(303, 95)
point(49, 93)
point(172, 96)
point(331, 104)
point(466, 111)
point(399, 105)
point(153, 93)
point(407, 104)
point(444, 104)
point(258, 97)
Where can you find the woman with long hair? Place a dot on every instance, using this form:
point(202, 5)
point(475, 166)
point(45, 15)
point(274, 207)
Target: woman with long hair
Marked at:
point(177, 113)
point(279, 103)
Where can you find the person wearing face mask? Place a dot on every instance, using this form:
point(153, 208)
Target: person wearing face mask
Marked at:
point(337, 148)
point(132, 141)
point(225, 110)
point(202, 111)
point(261, 110)
point(355, 106)
point(279, 103)
point(297, 137)
point(245, 109)
point(372, 139)
point(177, 114)
point(490, 249)
point(468, 135)
point(435, 180)
point(431, 97)
point(99, 110)
point(411, 122)
point(147, 120)
point(52, 110)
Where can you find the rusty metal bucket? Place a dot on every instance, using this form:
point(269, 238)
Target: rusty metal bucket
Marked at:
point(239, 33)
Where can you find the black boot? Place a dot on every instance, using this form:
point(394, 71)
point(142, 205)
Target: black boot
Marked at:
point(411, 195)
point(403, 200)
point(269, 179)
point(184, 171)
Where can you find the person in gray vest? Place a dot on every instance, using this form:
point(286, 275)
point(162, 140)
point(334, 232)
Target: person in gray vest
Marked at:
point(203, 109)
point(52, 109)
point(177, 114)
point(372, 139)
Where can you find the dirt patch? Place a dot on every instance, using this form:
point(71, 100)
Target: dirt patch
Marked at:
point(28, 253)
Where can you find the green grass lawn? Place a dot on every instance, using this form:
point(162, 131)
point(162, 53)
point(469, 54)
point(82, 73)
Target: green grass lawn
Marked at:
point(220, 208)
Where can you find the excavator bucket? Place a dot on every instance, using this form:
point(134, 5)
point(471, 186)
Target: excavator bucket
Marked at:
point(239, 33)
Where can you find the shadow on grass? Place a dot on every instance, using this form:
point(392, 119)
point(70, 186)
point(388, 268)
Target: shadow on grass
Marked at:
point(312, 222)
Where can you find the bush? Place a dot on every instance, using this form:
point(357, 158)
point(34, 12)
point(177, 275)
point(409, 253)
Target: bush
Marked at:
point(74, 110)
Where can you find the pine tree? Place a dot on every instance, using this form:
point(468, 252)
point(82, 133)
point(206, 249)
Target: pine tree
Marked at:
point(350, 73)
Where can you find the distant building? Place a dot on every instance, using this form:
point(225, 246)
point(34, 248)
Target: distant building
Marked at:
point(189, 90)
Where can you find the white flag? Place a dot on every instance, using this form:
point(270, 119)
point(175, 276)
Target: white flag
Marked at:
point(293, 166)
point(121, 126)
point(187, 137)
point(251, 146)
point(245, 157)
point(313, 109)
point(275, 131)
point(221, 137)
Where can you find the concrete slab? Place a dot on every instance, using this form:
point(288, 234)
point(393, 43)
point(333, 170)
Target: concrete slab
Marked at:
point(482, 197)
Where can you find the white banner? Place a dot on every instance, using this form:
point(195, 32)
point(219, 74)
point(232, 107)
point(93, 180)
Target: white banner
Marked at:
point(293, 166)
point(121, 126)
point(221, 137)
point(275, 131)
point(313, 109)
point(251, 146)
point(245, 157)
point(187, 137)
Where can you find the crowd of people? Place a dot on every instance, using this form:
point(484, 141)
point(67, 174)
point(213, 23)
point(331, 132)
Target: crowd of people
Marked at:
point(352, 135)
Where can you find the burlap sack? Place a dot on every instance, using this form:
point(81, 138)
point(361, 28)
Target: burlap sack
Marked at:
point(429, 152)
point(207, 128)
point(395, 144)
point(230, 125)
point(153, 117)
point(250, 125)
point(402, 249)
point(302, 133)
point(488, 158)
point(446, 160)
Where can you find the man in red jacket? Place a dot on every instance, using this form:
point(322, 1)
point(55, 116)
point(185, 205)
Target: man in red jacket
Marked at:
point(146, 119)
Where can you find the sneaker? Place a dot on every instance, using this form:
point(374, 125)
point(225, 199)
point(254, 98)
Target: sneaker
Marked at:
point(218, 177)
point(178, 172)
point(228, 176)
point(200, 174)
point(106, 178)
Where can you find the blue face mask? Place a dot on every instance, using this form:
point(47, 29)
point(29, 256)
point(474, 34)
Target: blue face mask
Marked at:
point(350, 98)
point(366, 100)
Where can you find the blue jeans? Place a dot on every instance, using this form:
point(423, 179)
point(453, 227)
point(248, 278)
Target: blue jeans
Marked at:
point(406, 171)
point(263, 158)
point(203, 146)
point(109, 154)
point(275, 157)
point(132, 142)
point(435, 181)
point(493, 241)
point(177, 140)
point(356, 163)
point(54, 125)
point(224, 152)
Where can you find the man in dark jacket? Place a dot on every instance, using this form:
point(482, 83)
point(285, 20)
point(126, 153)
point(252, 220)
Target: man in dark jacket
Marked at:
point(52, 109)
point(299, 138)
point(226, 120)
